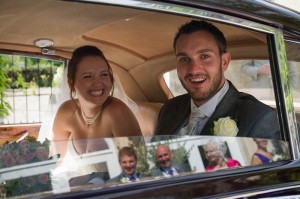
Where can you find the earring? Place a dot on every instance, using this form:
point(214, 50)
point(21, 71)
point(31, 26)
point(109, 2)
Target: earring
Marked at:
point(73, 94)
point(112, 88)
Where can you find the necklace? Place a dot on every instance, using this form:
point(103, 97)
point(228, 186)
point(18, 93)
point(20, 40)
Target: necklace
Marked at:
point(90, 120)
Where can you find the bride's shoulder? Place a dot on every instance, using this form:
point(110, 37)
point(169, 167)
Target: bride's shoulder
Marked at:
point(68, 106)
point(115, 104)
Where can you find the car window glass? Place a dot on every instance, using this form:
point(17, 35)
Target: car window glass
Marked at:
point(246, 75)
point(173, 83)
point(27, 169)
point(30, 84)
point(292, 49)
point(139, 49)
point(243, 74)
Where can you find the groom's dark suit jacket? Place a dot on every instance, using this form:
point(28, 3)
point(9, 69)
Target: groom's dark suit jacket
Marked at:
point(254, 119)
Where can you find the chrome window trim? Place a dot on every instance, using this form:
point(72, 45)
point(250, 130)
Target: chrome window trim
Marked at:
point(239, 22)
point(292, 41)
point(271, 190)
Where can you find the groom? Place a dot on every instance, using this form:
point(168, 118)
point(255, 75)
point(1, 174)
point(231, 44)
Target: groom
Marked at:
point(202, 59)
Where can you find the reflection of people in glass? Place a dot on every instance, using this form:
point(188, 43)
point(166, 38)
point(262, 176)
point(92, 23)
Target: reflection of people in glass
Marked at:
point(215, 152)
point(167, 168)
point(261, 155)
point(128, 163)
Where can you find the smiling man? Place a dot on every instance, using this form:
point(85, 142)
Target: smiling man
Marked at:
point(128, 163)
point(202, 59)
point(166, 167)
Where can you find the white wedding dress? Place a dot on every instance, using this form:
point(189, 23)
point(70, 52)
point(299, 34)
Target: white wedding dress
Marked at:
point(74, 164)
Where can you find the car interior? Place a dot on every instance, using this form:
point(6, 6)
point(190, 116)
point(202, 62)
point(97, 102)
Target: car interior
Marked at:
point(138, 43)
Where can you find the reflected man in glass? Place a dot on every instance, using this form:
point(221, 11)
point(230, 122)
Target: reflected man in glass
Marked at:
point(128, 162)
point(166, 167)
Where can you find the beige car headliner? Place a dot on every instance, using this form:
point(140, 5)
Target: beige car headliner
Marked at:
point(137, 43)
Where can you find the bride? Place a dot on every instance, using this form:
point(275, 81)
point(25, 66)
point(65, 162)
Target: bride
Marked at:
point(81, 123)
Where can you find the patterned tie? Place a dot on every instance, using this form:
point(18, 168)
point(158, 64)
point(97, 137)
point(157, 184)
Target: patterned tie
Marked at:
point(195, 125)
point(170, 172)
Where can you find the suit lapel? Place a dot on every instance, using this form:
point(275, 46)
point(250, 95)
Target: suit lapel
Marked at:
point(225, 108)
point(184, 110)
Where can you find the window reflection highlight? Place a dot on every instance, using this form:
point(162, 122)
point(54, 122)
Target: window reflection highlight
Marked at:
point(120, 161)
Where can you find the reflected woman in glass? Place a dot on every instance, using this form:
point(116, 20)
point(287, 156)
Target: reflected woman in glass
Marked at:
point(262, 155)
point(215, 152)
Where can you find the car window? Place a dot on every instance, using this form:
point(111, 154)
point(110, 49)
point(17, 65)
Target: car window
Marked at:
point(30, 87)
point(29, 166)
point(136, 37)
point(244, 75)
point(173, 83)
point(293, 57)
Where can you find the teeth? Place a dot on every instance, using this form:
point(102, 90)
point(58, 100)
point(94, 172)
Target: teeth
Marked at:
point(96, 93)
point(199, 79)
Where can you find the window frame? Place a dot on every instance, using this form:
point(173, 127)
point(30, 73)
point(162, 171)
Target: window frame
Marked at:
point(277, 57)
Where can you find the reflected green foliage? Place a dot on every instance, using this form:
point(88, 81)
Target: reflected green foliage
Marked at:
point(4, 105)
point(281, 151)
point(284, 72)
point(141, 151)
point(180, 155)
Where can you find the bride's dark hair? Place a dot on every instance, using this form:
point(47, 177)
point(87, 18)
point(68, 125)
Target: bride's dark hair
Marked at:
point(77, 56)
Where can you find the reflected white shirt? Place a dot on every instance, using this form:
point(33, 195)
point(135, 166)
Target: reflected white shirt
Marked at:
point(166, 172)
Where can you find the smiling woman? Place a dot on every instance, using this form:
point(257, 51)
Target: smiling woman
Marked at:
point(94, 113)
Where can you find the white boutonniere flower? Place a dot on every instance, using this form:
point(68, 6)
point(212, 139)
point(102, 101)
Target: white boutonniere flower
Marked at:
point(277, 158)
point(123, 180)
point(225, 127)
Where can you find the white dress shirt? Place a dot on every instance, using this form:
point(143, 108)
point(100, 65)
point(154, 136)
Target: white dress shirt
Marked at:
point(200, 115)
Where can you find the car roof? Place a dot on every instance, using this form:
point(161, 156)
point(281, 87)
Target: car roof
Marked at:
point(260, 10)
point(135, 41)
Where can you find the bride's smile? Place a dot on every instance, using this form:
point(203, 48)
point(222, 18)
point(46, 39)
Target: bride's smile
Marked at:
point(96, 93)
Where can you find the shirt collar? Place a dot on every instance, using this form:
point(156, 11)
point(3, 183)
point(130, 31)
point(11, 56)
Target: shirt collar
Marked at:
point(209, 107)
point(128, 176)
point(166, 169)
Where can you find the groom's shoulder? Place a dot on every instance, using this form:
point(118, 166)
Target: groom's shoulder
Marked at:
point(252, 102)
point(247, 101)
